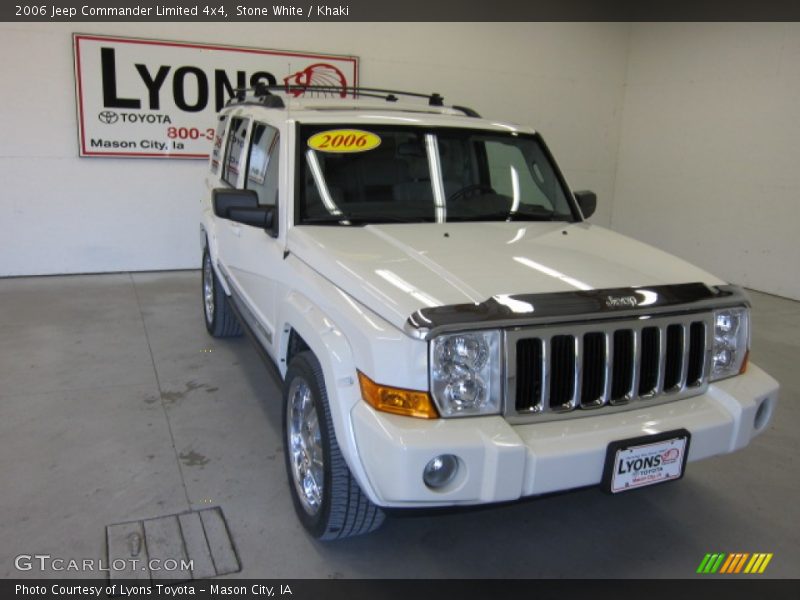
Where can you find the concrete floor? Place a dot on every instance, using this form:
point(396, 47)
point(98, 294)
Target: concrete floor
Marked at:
point(116, 405)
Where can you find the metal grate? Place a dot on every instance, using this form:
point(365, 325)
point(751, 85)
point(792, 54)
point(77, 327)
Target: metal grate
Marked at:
point(558, 369)
point(197, 544)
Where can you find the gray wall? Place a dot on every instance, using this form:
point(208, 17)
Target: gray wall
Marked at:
point(709, 160)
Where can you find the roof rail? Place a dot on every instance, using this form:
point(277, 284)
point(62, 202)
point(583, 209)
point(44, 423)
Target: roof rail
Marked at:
point(264, 95)
point(467, 111)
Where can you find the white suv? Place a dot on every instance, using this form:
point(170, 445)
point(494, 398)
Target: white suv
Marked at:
point(450, 328)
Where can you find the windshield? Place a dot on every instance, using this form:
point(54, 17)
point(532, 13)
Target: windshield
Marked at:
point(352, 175)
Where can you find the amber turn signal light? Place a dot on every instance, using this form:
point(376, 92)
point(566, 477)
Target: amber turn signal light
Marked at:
point(744, 362)
point(409, 403)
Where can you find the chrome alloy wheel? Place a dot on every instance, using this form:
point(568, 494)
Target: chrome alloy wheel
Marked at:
point(208, 289)
point(305, 446)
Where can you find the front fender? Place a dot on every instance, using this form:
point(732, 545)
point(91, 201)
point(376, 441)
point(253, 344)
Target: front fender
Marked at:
point(331, 347)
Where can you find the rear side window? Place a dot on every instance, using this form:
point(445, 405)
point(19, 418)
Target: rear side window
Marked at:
point(262, 170)
point(216, 148)
point(234, 151)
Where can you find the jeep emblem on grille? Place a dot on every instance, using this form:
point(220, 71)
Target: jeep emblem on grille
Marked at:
point(621, 301)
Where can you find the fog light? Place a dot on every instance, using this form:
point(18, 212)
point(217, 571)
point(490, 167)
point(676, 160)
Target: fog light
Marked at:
point(440, 471)
point(762, 415)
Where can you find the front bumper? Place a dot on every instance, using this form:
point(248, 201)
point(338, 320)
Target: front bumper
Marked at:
point(500, 462)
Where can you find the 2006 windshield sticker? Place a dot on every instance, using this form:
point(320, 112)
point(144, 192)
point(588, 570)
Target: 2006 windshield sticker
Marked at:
point(344, 140)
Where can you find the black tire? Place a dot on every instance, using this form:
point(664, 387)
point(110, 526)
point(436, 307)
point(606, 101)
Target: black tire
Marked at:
point(344, 510)
point(219, 316)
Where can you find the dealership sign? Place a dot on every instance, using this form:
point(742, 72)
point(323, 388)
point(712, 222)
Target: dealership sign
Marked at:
point(150, 98)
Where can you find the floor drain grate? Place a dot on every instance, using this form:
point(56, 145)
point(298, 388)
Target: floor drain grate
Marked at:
point(191, 545)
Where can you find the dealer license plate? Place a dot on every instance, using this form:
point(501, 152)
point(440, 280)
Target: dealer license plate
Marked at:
point(648, 460)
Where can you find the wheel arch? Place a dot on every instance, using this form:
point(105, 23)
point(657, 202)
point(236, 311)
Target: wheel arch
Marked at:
point(307, 327)
point(210, 244)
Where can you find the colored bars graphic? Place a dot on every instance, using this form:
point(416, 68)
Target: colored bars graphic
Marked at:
point(736, 562)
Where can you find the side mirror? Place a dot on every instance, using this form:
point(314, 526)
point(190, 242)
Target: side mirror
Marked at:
point(587, 200)
point(261, 216)
point(224, 199)
point(242, 206)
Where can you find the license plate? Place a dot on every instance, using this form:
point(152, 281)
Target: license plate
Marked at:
point(643, 461)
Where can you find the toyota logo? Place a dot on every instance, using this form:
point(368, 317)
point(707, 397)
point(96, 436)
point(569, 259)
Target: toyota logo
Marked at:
point(108, 117)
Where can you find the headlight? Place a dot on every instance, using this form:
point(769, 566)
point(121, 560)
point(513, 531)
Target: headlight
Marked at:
point(731, 342)
point(466, 373)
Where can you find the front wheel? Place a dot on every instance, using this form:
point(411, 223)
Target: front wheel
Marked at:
point(327, 499)
point(219, 317)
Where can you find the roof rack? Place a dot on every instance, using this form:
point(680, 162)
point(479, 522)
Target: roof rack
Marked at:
point(264, 95)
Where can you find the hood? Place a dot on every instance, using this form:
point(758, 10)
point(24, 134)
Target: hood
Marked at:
point(397, 269)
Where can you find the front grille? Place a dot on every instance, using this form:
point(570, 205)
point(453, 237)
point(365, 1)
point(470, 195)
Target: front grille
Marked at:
point(565, 368)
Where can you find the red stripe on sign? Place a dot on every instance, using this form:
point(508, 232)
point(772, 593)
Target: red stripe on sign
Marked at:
point(146, 154)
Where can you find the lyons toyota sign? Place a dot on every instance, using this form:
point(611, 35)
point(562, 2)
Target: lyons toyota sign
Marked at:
point(157, 99)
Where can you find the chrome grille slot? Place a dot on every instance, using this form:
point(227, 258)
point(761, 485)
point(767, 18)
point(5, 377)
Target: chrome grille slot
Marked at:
point(622, 370)
point(697, 351)
point(562, 372)
point(529, 382)
point(557, 371)
point(674, 358)
point(649, 359)
point(595, 365)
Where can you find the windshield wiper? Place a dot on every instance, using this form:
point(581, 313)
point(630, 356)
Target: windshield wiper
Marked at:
point(508, 216)
point(535, 216)
point(360, 219)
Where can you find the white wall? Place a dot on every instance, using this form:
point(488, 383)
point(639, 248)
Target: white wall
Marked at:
point(709, 160)
point(62, 214)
